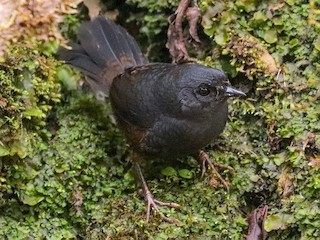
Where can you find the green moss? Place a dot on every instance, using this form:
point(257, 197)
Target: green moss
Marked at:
point(64, 166)
point(28, 89)
point(276, 127)
point(80, 177)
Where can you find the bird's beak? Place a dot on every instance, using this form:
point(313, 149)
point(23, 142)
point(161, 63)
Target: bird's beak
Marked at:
point(231, 92)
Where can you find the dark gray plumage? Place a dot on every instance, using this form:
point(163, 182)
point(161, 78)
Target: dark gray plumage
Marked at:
point(164, 109)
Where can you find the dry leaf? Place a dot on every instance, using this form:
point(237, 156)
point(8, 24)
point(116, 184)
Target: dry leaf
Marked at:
point(176, 41)
point(256, 221)
point(26, 19)
point(193, 14)
point(315, 162)
point(285, 185)
point(276, 6)
point(93, 6)
point(269, 62)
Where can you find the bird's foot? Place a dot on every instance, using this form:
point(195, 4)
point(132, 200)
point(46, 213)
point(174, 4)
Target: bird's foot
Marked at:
point(154, 204)
point(205, 162)
point(151, 202)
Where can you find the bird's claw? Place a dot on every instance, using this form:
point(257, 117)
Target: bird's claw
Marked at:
point(151, 202)
point(205, 161)
point(154, 204)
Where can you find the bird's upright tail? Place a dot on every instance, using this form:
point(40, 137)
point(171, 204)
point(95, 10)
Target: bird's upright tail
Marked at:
point(104, 51)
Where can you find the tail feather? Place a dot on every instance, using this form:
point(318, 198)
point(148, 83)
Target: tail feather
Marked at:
point(96, 42)
point(78, 58)
point(115, 36)
point(104, 51)
point(130, 43)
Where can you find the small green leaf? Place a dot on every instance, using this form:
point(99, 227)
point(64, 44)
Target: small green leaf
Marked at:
point(279, 158)
point(209, 31)
point(30, 200)
point(247, 5)
point(68, 77)
point(254, 178)
point(316, 43)
point(277, 21)
point(3, 151)
point(227, 17)
point(34, 112)
point(185, 173)
point(62, 168)
point(270, 36)
point(294, 42)
point(169, 172)
point(221, 37)
point(49, 47)
point(128, 176)
point(278, 221)
point(290, 2)
point(19, 147)
point(259, 16)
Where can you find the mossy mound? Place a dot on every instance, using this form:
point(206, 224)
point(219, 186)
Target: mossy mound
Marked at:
point(64, 166)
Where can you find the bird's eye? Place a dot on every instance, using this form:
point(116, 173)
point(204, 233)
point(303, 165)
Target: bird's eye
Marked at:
point(204, 89)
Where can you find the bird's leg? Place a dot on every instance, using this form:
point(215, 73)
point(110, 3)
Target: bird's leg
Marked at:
point(205, 162)
point(151, 202)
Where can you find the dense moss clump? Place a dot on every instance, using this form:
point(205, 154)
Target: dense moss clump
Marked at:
point(64, 169)
point(276, 129)
point(28, 90)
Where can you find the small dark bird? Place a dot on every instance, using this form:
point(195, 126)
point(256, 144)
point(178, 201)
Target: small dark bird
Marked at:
point(165, 110)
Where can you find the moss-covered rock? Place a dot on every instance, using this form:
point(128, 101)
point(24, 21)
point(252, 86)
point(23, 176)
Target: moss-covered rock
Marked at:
point(277, 127)
point(64, 166)
point(28, 90)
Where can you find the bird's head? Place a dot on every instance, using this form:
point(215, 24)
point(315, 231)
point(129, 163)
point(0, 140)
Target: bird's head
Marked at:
point(204, 89)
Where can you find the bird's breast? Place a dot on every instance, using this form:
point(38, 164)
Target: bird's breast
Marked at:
point(182, 136)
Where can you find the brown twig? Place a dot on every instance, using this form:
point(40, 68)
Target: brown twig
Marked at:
point(176, 42)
